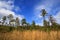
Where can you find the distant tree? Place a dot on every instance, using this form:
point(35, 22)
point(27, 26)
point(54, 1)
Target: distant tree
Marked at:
point(28, 26)
point(17, 21)
point(33, 24)
point(45, 23)
point(4, 18)
point(23, 21)
point(43, 15)
point(13, 22)
point(10, 17)
point(48, 24)
point(52, 20)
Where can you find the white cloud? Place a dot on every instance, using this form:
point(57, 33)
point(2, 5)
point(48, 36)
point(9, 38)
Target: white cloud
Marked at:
point(57, 17)
point(6, 8)
point(5, 12)
point(19, 16)
point(7, 4)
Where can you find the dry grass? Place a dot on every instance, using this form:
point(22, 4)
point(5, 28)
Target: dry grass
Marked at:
point(30, 35)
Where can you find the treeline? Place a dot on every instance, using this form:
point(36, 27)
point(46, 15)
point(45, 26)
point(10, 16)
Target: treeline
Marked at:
point(51, 24)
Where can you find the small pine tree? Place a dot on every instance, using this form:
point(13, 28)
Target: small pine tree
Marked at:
point(4, 18)
point(23, 21)
point(17, 21)
point(33, 25)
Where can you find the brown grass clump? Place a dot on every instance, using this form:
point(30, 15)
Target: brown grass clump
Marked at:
point(30, 35)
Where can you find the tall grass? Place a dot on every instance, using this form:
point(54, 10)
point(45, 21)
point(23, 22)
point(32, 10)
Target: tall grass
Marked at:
point(30, 35)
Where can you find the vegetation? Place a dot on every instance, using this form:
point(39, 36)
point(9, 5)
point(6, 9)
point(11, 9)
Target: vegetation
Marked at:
point(43, 15)
point(50, 25)
point(15, 23)
point(34, 32)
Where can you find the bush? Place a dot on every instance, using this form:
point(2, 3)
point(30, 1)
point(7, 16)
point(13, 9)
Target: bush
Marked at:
point(6, 28)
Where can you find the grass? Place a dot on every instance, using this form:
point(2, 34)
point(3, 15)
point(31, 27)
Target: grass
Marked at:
point(30, 35)
point(20, 33)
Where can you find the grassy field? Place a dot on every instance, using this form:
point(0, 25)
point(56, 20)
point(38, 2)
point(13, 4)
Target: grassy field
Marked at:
point(30, 35)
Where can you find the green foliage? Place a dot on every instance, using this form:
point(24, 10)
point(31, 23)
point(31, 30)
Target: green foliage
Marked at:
point(17, 21)
point(23, 21)
point(44, 12)
point(43, 15)
point(11, 28)
point(4, 18)
point(10, 17)
point(33, 26)
point(26, 26)
point(6, 28)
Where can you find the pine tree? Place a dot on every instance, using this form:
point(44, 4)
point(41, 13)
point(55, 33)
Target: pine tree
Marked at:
point(43, 15)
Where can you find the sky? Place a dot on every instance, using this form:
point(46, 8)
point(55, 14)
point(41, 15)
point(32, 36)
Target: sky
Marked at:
point(30, 9)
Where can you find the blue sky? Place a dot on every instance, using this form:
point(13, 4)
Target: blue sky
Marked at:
point(30, 9)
